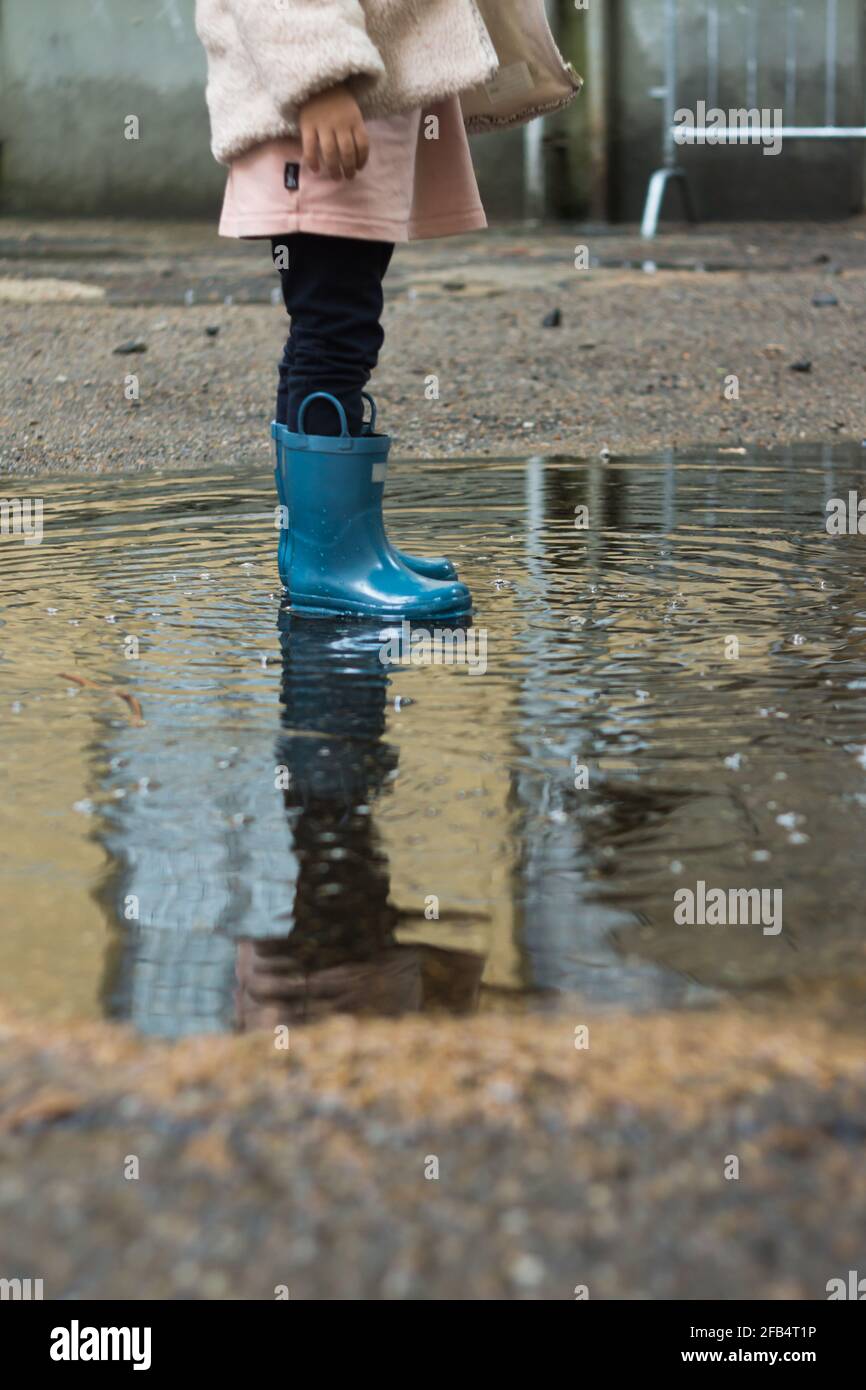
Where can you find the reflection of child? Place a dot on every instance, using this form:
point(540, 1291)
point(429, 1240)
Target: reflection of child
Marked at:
point(272, 990)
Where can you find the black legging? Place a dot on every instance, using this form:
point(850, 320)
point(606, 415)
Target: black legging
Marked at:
point(332, 290)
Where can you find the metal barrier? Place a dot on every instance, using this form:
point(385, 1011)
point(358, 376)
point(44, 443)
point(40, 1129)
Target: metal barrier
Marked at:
point(671, 170)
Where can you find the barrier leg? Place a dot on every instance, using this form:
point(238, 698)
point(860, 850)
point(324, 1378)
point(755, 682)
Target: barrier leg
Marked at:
point(655, 197)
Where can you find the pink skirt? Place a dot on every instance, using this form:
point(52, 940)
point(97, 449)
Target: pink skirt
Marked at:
point(419, 182)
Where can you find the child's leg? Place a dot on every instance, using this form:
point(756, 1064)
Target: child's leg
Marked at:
point(332, 290)
point(282, 415)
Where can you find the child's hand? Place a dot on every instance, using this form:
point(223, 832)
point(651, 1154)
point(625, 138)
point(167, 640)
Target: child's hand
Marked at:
point(333, 133)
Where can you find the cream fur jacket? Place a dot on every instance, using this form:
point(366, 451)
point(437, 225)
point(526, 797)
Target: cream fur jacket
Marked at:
point(266, 57)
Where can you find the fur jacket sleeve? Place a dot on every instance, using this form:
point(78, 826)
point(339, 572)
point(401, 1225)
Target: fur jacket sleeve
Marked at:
point(300, 47)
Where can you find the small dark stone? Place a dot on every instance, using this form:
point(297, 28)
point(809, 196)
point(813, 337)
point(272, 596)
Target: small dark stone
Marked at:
point(821, 259)
point(133, 345)
point(802, 365)
point(824, 300)
point(553, 319)
point(212, 330)
point(454, 286)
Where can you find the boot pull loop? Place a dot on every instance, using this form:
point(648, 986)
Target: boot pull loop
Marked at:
point(345, 437)
point(370, 425)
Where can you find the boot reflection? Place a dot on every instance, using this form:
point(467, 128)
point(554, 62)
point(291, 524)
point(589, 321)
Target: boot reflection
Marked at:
point(340, 953)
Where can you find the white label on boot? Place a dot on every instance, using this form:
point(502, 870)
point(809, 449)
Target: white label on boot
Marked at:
point(380, 472)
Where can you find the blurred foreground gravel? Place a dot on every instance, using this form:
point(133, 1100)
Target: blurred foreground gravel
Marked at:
point(558, 1168)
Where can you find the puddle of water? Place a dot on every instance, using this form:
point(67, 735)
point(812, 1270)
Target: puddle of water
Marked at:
point(674, 695)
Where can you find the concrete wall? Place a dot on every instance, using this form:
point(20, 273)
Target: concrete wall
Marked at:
point(72, 71)
point(808, 179)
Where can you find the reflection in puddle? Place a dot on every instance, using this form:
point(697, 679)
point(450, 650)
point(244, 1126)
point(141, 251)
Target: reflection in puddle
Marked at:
point(675, 694)
point(283, 911)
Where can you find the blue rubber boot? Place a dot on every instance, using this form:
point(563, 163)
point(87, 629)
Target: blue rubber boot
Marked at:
point(334, 556)
point(433, 568)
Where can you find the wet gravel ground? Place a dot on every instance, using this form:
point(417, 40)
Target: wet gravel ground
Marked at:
point(641, 359)
point(557, 1168)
